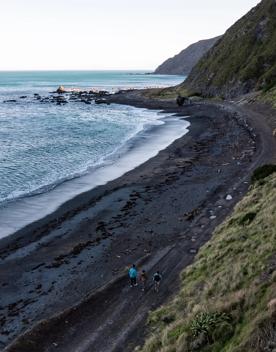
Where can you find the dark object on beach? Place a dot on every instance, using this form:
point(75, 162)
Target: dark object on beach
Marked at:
point(180, 101)
point(60, 90)
point(23, 97)
point(102, 101)
point(262, 172)
point(9, 101)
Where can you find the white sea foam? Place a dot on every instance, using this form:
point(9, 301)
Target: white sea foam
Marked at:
point(50, 153)
point(144, 146)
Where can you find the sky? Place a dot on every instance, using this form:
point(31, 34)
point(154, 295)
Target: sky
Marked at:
point(107, 34)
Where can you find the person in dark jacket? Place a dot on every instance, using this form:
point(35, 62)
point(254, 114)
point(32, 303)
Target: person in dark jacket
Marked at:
point(157, 277)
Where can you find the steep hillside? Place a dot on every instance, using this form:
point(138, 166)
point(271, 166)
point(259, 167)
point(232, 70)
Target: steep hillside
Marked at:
point(182, 63)
point(244, 60)
point(227, 302)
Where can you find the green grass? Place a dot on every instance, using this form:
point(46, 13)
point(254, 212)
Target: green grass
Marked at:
point(223, 304)
point(269, 97)
point(167, 93)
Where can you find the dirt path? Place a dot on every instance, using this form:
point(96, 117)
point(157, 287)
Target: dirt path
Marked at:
point(113, 319)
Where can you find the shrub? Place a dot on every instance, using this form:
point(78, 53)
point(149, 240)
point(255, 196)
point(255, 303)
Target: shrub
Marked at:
point(247, 218)
point(176, 332)
point(262, 172)
point(152, 345)
point(206, 322)
point(223, 332)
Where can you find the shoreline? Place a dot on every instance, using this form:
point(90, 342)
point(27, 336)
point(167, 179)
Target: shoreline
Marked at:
point(169, 199)
point(144, 145)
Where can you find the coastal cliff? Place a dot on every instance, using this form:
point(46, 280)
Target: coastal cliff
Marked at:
point(182, 63)
point(243, 61)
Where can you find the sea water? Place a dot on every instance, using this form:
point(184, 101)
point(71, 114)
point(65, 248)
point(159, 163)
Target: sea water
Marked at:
point(43, 146)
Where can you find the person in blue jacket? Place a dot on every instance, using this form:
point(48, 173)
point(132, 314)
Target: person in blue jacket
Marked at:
point(132, 273)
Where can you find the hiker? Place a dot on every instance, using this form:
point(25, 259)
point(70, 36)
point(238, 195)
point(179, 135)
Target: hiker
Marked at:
point(143, 279)
point(157, 279)
point(132, 273)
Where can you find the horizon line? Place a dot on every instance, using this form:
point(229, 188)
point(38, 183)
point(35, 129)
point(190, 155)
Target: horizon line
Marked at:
point(76, 70)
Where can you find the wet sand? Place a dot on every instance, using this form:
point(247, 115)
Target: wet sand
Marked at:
point(157, 215)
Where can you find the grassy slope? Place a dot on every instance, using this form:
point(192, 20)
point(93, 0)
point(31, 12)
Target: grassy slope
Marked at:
point(269, 97)
point(224, 302)
point(243, 60)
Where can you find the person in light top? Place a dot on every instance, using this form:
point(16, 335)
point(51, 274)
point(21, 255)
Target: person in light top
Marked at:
point(132, 273)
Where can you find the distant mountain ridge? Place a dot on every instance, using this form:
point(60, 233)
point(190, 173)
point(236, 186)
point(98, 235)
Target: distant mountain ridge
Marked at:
point(243, 60)
point(182, 63)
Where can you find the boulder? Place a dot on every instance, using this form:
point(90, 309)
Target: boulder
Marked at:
point(61, 90)
point(9, 101)
point(102, 101)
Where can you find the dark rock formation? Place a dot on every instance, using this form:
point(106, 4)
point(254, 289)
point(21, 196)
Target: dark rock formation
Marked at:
point(102, 101)
point(61, 90)
point(9, 101)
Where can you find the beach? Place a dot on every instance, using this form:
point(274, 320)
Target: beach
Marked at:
point(157, 215)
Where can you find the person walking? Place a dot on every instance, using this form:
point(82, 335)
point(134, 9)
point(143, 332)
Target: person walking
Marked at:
point(132, 273)
point(143, 279)
point(157, 280)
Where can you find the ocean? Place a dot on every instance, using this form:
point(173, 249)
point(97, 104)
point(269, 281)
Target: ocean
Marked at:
point(49, 153)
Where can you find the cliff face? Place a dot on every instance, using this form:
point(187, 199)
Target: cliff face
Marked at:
point(182, 63)
point(243, 60)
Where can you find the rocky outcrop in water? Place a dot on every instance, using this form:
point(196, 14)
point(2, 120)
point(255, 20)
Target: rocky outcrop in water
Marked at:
point(64, 96)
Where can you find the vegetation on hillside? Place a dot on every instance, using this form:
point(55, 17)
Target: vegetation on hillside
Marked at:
point(243, 60)
point(227, 301)
point(269, 97)
point(166, 93)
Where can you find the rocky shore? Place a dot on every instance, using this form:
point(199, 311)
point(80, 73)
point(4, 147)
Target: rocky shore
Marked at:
point(72, 264)
point(64, 96)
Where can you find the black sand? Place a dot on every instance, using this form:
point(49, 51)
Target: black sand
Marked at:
point(157, 215)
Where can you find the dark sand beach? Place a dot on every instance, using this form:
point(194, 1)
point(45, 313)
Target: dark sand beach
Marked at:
point(69, 269)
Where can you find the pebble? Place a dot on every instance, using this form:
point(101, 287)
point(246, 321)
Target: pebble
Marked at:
point(229, 197)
